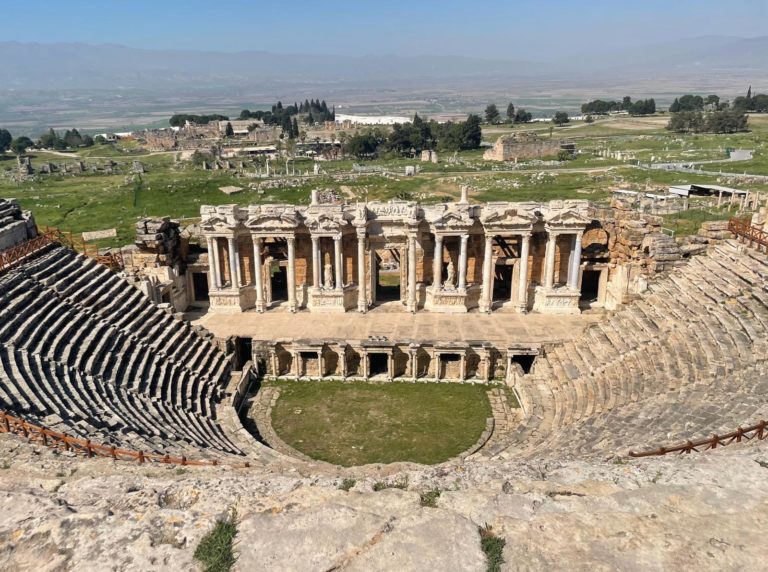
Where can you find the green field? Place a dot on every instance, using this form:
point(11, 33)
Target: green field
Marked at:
point(173, 188)
point(359, 423)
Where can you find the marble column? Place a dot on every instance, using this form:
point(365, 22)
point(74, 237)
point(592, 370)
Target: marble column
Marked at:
point(234, 280)
point(239, 266)
point(575, 262)
point(343, 360)
point(257, 274)
point(414, 363)
point(549, 267)
point(362, 302)
point(463, 262)
point(213, 263)
point(316, 261)
point(522, 292)
point(462, 367)
point(437, 264)
point(339, 263)
point(291, 273)
point(412, 273)
point(485, 298)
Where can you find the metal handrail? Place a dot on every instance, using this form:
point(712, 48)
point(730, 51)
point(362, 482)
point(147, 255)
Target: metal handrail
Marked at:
point(755, 431)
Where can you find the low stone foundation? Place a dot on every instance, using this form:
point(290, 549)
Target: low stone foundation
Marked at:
point(556, 301)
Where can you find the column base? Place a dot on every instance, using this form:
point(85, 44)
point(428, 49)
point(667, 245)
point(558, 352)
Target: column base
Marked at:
point(261, 306)
point(556, 300)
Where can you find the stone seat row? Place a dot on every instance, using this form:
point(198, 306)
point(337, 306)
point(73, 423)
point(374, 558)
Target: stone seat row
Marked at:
point(695, 412)
point(84, 282)
point(86, 352)
point(89, 406)
point(52, 327)
point(701, 327)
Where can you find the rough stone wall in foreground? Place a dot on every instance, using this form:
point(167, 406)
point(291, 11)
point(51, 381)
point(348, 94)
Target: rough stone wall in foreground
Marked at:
point(702, 512)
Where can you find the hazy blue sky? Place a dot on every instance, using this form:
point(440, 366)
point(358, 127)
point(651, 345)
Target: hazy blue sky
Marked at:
point(508, 29)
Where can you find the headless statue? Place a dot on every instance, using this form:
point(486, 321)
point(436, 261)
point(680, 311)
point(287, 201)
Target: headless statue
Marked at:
point(328, 275)
point(450, 279)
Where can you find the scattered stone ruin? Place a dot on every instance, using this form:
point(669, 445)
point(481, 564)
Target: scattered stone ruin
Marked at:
point(16, 225)
point(157, 262)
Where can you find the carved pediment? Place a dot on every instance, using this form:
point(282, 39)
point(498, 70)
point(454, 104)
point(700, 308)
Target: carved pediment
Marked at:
point(324, 223)
point(271, 218)
point(268, 221)
point(452, 218)
point(508, 218)
point(217, 223)
point(567, 219)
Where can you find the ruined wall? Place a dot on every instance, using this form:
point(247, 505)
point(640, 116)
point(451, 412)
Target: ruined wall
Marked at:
point(522, 146)
point(637, 248)
point(16, 225)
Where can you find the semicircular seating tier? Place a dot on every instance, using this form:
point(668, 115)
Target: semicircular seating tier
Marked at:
point(688, 358)
point(84, 352)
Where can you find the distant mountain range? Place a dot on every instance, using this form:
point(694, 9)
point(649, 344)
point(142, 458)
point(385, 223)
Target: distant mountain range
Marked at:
point(26, 66)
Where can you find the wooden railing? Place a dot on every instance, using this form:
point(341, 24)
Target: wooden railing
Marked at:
point(89, 449)
point(744, 229)
point(15, 254)
point(757, 431)
point(48, 235)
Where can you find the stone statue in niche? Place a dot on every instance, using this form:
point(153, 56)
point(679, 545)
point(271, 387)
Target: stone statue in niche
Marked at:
point(328, 275)
point(450, 279)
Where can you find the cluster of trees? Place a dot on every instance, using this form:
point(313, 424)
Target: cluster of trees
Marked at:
point(407, 138)
point(18, 145)
point(560, 118)
point(312, 111)
point(71, 139)
point(691, 102)
point(720, 121)
point(180, 119)
point(757, 103)
point(493, 116)
point(49, 140)
point(602, 107)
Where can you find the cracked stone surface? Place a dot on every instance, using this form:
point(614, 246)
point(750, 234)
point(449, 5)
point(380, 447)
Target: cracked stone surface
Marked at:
point(703, 512)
